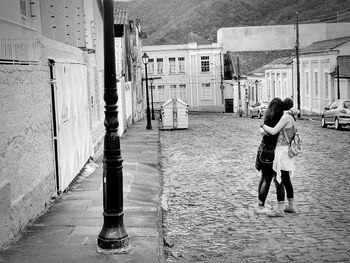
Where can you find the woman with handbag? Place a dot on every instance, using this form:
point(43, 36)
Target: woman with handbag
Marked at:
point(283, 163)
point(265, 155)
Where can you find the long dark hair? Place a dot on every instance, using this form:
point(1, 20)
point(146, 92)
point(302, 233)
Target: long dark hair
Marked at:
point(274, 112)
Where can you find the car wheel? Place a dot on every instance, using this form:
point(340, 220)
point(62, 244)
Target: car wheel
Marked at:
point(259, 115)
point(337, 126)
point(323, 122)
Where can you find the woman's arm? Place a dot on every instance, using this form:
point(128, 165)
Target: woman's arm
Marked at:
point(283, 121)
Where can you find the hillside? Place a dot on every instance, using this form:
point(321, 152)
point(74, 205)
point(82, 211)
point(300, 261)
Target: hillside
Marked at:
point(168, 21)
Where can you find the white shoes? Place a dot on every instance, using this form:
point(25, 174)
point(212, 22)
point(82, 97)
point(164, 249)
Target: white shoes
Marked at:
point(262, 209)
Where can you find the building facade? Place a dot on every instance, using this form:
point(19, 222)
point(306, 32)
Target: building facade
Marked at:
point(191, 72)
point(51, 94)
point(318, 74)
point(279, 79)
point(128, 69)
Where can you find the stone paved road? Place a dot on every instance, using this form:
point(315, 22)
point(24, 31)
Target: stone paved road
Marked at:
point(210, 188)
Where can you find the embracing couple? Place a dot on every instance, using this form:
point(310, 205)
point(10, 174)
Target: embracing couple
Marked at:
point(277, 131)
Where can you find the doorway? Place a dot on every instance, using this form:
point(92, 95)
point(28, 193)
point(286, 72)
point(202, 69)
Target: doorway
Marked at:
point(54, 121)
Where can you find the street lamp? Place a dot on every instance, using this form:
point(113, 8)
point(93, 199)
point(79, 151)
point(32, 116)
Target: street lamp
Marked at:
point(151, 81)
point(113, 237)
point(256, 88)
point(145, 59)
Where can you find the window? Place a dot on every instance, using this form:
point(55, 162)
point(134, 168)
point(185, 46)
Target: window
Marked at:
point(24, 7)
point(326, 85)
point(172, 66)
point(316, 84)
point(161, 93)
point(278, 88)
point(206, 92)
point(306, 82)
point(181, 61)
point(173, 91)
point(182, 92)
point(204, 63)
point(150, 66)
point(159, 65)
point(284, 85)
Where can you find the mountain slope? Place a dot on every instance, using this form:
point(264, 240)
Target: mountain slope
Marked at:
point(169, 21)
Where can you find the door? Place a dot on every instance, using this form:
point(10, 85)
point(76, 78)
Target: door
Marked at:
point(54, 118)
point(229, 105)
point(73, 121)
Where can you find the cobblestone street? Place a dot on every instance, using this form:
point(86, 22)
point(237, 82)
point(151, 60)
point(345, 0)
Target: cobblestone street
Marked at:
point(210, 194)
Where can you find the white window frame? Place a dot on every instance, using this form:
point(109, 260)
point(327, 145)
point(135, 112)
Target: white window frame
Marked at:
point(26, 8)
point(205, 65)
point(316, 84)
point(173, 91)
point(160, 66)
point(150, 66)
point(161, 93)
point(326, 85)
point(172, 65)
point(206, 91)
point(181, 62)
point(307, 82)
point(183, 92)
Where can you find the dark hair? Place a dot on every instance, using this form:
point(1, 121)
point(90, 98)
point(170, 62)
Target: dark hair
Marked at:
point(288, 103)
point(274, 112)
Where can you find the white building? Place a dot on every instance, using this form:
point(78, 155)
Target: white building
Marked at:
point(191, 72)
point(279, 78)
point(318, 77)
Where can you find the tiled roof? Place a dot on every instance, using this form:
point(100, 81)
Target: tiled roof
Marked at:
point(281, 61)
point(252, 60)
point(325, 45)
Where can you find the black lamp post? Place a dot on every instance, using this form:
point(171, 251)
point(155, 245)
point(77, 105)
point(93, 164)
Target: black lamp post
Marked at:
point(145, 62)
point(151, 81)
point(256, 88)
point(113, 237)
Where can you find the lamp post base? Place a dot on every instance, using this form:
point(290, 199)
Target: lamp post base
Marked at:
point(123, 250)
point(113, 236)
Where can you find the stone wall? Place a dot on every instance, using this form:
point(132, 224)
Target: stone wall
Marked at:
point(26, 152)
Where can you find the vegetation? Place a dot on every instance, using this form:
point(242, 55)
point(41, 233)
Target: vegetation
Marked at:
point(167, 21)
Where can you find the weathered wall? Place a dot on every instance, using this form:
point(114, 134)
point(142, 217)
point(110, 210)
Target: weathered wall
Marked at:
point(26, 157)
point(96, 102)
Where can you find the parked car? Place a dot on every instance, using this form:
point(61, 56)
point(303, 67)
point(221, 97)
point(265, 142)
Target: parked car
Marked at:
point(258, 109)
point(337, 114)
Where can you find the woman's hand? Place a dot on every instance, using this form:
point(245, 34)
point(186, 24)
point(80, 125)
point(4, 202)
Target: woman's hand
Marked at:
point(262, 131)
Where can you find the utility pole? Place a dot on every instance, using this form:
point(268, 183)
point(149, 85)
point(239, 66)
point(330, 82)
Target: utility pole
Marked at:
point(239, 90)
point(222, 82)
point(338, 82)
point(113, 237)
point(298, 63)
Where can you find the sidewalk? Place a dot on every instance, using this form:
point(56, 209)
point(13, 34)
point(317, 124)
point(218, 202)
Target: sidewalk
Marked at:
point(68, 231)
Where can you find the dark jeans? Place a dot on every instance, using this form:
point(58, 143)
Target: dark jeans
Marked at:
point(264, 184)
point(284, 184)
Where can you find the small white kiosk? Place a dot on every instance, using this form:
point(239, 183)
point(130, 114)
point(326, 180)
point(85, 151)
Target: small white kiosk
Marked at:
point(174, 114)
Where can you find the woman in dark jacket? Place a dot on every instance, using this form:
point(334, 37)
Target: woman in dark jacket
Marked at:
point(273, 114)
